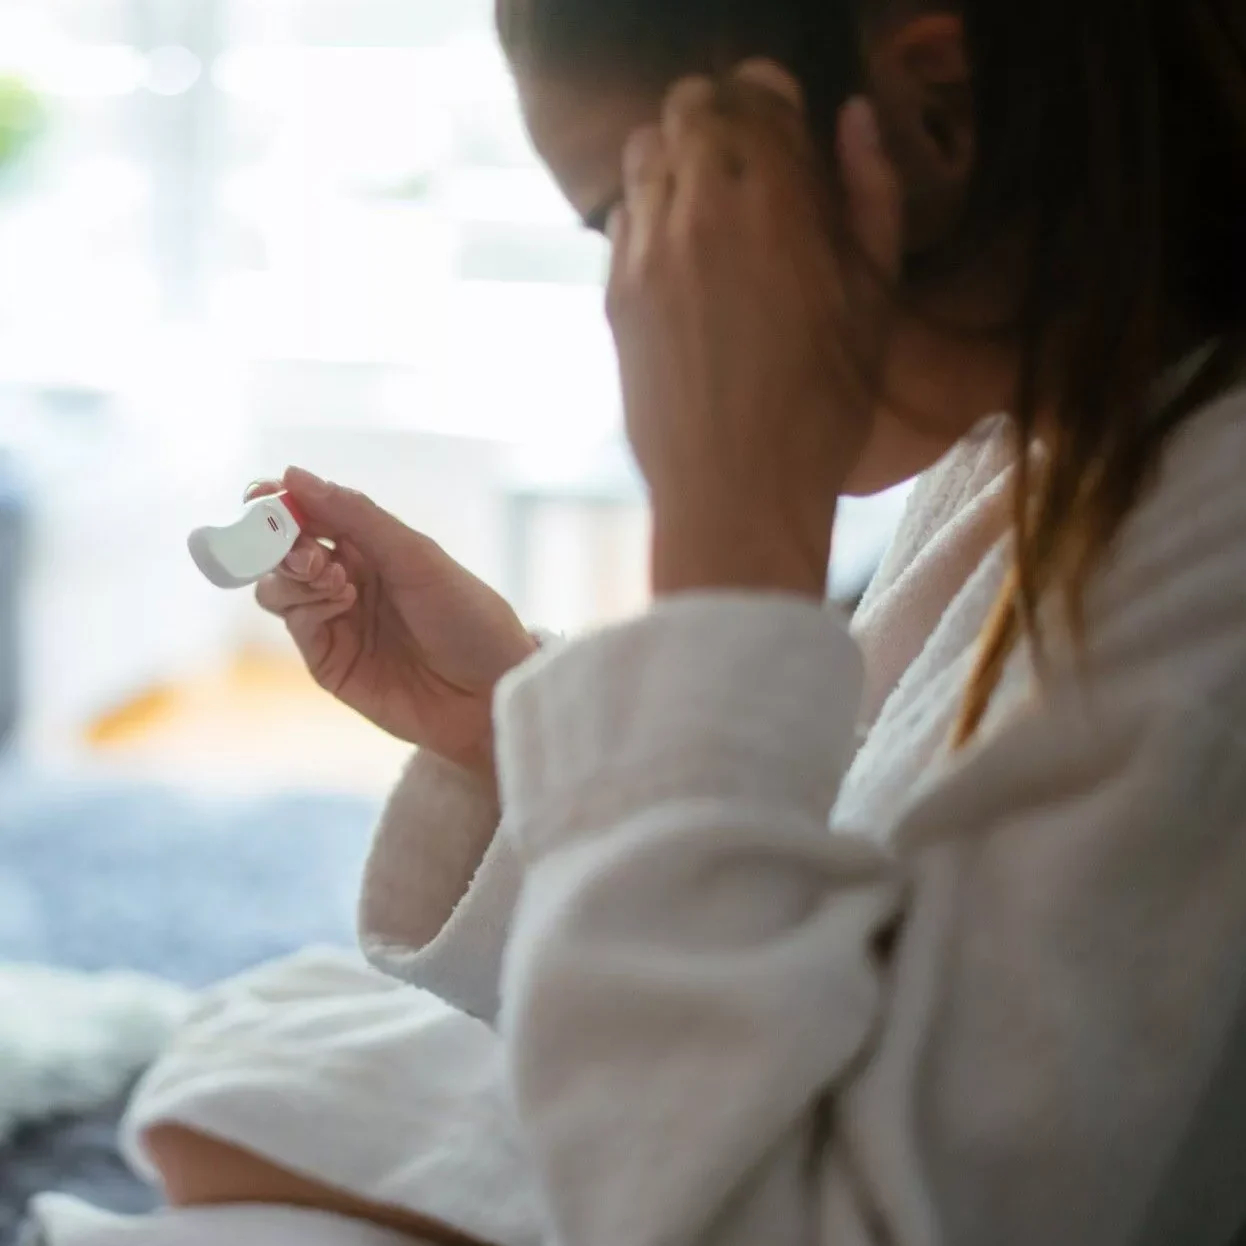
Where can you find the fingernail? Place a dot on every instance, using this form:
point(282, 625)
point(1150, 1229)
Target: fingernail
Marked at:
point(307, 483)
point(861, 121)
point(300, 562)
point(249, 492)
point(694, 91)
point(771, 76)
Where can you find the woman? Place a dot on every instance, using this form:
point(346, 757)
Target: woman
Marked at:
point(1001, 1000)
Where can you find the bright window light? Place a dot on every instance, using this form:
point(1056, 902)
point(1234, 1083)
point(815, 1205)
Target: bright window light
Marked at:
point(172, 70)
point(89, 71)
point(289, 77)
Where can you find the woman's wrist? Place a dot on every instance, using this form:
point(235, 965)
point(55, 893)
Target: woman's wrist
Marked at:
point(478, 761)
point(478, 756)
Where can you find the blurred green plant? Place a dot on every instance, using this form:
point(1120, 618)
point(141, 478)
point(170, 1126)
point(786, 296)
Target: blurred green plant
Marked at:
point(23, 118)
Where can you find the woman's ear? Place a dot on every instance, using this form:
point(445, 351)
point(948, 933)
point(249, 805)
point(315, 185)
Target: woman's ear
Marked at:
point(922, 89)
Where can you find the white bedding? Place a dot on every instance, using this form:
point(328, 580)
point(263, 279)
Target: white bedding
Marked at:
point(336, 1072)
point(71, 1042)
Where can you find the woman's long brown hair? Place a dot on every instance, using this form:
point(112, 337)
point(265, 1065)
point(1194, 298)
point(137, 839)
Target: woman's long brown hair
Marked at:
point(1138, 256)
point(1111, 140)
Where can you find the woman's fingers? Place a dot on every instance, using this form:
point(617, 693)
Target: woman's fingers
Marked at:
point(638, 225)
point(758, 119)
point(770, 76)
point(749, 135)
point(313, 586)
point(306, 624)
point(308, 561)
point(280, 593)
point(703, 157)
point(739, 143)
point(784, 181)
point(647, 192)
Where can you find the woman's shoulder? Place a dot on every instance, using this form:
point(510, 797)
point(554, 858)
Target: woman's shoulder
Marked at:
point(1211, 439)
point(1172, 598)
point(1191, 523)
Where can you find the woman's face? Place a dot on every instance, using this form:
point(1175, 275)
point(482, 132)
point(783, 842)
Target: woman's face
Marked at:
point(939, 385)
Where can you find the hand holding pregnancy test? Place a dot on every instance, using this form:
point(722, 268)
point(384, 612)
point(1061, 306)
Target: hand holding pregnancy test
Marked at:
point(384, 618)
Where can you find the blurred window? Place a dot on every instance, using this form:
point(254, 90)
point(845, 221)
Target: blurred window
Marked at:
point(307, 181)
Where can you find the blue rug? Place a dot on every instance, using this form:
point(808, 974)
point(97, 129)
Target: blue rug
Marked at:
point(96, 875)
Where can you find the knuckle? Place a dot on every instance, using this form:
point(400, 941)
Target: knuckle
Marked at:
point(356, 497)
point(421, 553)
point(689, 99)
point(264, 593)
point(772, 80)
point(423, 545)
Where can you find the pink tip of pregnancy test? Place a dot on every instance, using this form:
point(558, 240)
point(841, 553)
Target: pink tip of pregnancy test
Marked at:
point(296, 512)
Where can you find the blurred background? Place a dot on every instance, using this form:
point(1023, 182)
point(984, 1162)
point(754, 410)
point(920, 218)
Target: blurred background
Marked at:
point(236, 234)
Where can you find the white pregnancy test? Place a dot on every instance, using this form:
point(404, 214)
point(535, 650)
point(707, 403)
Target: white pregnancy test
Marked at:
point(248, 549)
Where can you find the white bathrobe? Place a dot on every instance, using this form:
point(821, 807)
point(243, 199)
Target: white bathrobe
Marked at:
point(999, 1000)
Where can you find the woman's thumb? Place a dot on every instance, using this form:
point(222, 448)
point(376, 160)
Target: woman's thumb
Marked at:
point(332, 512)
